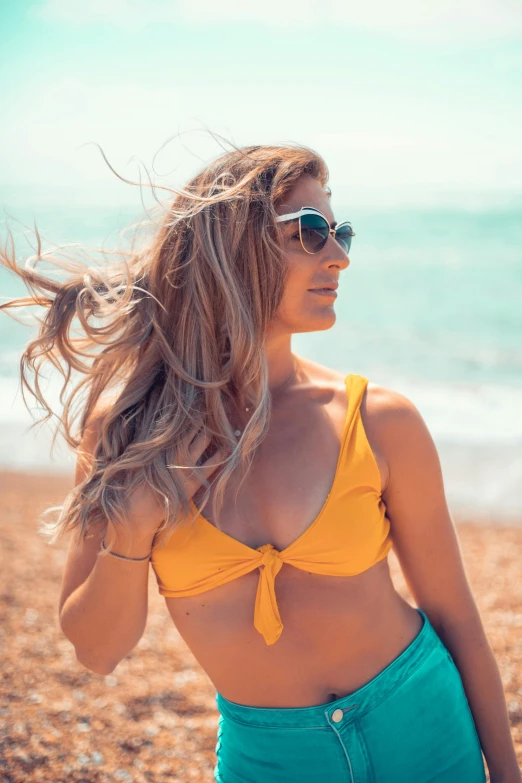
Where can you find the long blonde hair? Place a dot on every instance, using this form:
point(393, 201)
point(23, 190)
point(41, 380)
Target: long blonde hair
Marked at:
point(177, 327)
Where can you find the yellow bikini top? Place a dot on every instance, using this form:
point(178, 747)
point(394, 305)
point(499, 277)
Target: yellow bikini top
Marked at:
point(350, 534)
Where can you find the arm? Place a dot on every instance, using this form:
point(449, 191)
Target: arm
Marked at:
point(427, 547)
point(103, 601)
point(105, 616)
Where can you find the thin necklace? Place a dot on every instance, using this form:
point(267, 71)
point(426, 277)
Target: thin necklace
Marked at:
point(237, 433)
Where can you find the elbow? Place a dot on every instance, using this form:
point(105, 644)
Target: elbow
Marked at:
point(88, 658)
point(96, 666)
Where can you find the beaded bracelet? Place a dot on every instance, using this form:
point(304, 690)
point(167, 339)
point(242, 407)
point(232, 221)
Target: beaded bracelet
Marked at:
point(123, 557)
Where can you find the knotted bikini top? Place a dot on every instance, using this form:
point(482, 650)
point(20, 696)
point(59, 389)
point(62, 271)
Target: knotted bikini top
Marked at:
point(350, 534)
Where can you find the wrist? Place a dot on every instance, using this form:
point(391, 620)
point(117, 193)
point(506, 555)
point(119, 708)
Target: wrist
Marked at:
point(129, 543)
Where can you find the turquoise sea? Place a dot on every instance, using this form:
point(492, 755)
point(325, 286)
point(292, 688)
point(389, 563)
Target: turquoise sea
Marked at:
point(431, 305)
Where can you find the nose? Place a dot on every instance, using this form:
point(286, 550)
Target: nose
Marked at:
point(333, 254)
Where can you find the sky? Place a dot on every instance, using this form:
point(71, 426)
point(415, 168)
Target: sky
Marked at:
point(409, 103)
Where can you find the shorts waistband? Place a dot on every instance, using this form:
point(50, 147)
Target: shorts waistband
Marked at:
point(353, 705)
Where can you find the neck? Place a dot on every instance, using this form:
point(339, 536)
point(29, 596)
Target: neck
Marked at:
point(281, 363)
point(282, 372)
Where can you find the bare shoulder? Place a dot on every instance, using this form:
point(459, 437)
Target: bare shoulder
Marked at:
point(391, 411)
point(393, 424)
point(387, 404)
point(396, 429)
point(382, 405)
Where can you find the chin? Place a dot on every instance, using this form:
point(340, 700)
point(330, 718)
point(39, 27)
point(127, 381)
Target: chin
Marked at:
point(316, 322)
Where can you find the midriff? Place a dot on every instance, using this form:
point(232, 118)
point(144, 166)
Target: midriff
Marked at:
point(339, 633)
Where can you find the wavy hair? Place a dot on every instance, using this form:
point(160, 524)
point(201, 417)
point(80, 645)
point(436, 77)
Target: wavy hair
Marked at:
point(174, 331)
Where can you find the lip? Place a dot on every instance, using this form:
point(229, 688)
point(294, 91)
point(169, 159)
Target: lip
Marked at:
point(329, 286)
point(326, 292)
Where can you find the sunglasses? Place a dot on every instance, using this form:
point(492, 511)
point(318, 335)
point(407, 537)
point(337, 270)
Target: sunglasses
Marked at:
point(314, 230)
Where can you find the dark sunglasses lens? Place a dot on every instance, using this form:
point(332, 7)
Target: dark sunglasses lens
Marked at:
point(314, 232)
point(344, 236)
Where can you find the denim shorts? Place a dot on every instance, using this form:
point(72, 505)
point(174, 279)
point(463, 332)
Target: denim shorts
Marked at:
point(410, 724)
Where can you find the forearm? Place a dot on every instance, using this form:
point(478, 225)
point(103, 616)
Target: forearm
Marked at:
point(105, 617)
point(480, 675)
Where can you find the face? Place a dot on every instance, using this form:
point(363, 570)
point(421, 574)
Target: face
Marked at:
point(301, 309)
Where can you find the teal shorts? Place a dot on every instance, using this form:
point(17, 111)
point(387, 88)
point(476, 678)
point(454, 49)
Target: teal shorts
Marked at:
point(410, 724)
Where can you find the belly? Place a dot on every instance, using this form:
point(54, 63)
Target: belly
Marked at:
point(339, 633)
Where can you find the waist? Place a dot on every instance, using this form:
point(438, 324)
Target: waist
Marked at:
point(338, 634)
point(359, 701)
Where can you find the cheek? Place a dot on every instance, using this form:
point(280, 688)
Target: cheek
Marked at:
point(297, 303)
point(298, 277)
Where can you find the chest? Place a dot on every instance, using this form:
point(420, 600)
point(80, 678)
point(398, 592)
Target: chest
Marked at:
point(289, 482)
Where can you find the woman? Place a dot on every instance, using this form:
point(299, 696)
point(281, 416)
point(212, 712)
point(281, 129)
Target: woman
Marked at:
point(266, 490)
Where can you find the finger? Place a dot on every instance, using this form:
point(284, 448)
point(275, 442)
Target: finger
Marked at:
point(193, 432)
point(200, 442)
point(206, 469)
point(213, 462)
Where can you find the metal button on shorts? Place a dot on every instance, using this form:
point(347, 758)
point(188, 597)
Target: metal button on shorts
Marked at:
point(337, 716)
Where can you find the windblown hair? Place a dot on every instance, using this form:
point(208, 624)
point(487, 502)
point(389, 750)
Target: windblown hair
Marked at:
point(174, 331)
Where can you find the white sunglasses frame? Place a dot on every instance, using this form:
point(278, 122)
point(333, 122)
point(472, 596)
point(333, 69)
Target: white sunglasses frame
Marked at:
point(313, 211)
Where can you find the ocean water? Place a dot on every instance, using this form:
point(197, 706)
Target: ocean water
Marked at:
point(431, 306)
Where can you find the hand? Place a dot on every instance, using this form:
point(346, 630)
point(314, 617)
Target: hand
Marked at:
point(197, 446)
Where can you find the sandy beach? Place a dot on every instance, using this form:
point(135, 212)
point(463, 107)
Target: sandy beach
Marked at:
point(154, 718)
